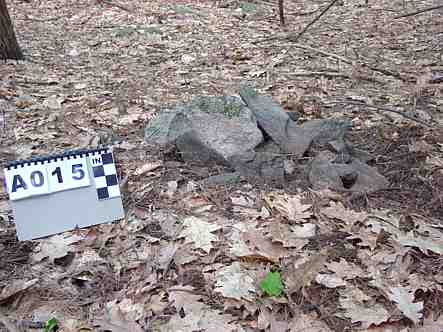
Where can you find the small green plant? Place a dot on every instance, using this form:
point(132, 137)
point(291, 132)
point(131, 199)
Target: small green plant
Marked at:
point(272, 285)
point(51, 325)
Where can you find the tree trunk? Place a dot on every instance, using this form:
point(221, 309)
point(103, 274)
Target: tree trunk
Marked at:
point(9, 48)
point(281, 12)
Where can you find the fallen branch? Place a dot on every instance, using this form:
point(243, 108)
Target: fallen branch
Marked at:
point(330, 74)
point(32, 82)
point(381, 108)
point(419, 11)
point(318, 73)
point(315, 20)
point(350, 62)
point(33, 19)
point(114, 4)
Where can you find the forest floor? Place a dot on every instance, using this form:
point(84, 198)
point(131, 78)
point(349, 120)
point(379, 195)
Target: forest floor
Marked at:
point(189, 258)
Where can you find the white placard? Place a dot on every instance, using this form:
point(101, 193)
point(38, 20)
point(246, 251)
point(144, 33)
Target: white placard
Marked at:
point(79, 193)
point(65, 174)
point(27, 180)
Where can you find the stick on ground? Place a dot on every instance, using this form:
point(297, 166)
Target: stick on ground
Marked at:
point(315, 20)
point(419, 11)
point(381, 108)
point(350, 62)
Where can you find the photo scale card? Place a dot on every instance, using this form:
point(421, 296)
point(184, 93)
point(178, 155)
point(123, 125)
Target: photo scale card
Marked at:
point(57, 193)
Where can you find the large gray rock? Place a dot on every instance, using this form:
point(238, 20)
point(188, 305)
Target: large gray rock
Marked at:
point(252, 138)
point(265, 164)
point(209, 129)
point(356, 176)
point(283, 130)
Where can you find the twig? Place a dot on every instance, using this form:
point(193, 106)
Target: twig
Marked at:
point(380, 108)
point(419, 11)
point(350, 62)
point(317, 50)
point(318, 73)
point(315, 20)
point(114, 4)
point(181, 289)
point(26, 82)
point(42, 19)
point(330, 74)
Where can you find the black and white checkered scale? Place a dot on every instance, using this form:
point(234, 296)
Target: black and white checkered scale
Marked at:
point(105, 175)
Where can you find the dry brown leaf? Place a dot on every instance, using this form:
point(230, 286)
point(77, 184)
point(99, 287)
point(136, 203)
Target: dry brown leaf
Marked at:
point(286, 235)
point(234, 282)
point(345, 270)
point(430, 325)
point(245, 205)
point(248, 241)
point(405, 303)
point(425, 244)
point(358, 307)
point(261, 246)
point(308, 322)
point(330, 280)
point(418, 281)
point(289, 206)
point(264, 318)
point(131, 311)
point(116, 321)
point(54, 247)
point(148, 167)
point(338, 211)
point(199, 233)
point(302, 276)
point(193, 315)
point(15, 287)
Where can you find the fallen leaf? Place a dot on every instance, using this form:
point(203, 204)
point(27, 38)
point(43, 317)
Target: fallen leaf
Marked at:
point(53, 102)
point(199, 233)
point(55, 247)
point(404, 301)
point(264, 318)
point(304, 231)
point(248, 241)
point(233, 282)
point(15, 287)
point(148, 167)
point(115, 321)
point(423, 243)
point(307, 323)
point(297, 278)
point(187, 59)
point(132, 311)
point(289, 206)
point(330, 280)
point(286, 235)
point(345, 270)
point(426, 283)
point(193, 315)
point(358, 308)
point(430, 325)
point(338, 211)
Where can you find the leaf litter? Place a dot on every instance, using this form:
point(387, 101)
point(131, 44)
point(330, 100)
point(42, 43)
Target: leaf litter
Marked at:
point(190, 257)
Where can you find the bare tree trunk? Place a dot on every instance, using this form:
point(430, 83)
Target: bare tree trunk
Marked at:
point(9, 48)
point(281, 12)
